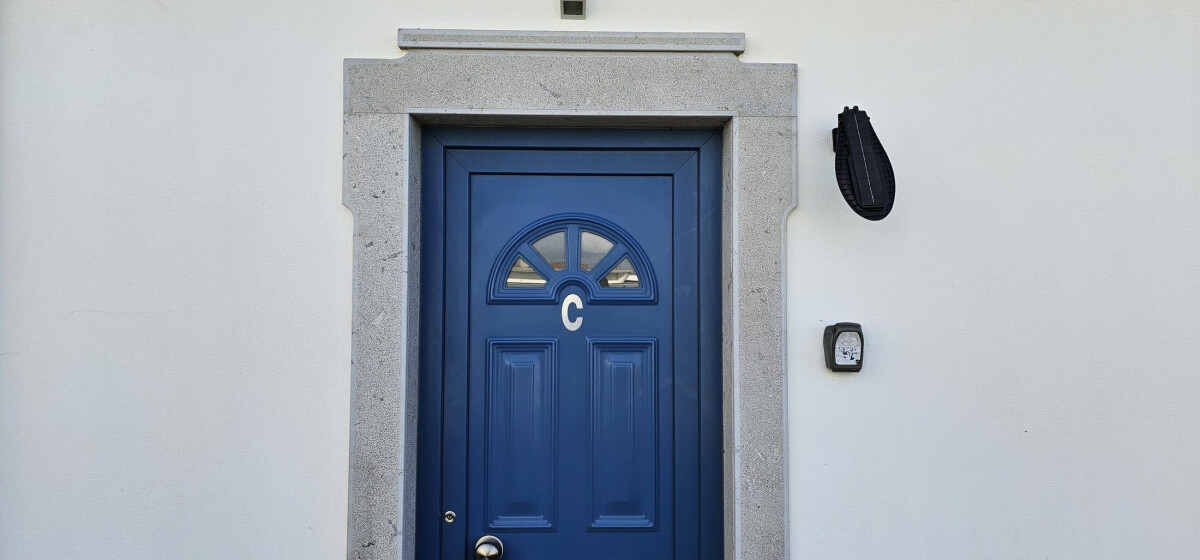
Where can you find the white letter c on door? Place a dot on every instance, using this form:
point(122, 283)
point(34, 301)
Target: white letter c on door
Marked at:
point(572, 300)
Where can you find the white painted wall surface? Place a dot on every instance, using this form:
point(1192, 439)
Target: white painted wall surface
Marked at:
point(175, 272)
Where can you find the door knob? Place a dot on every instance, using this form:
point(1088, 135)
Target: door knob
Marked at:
point(488, 548)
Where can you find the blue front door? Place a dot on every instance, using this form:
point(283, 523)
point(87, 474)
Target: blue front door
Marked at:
point(570, 383)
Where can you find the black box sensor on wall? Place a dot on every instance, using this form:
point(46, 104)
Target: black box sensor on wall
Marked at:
point(844, 347)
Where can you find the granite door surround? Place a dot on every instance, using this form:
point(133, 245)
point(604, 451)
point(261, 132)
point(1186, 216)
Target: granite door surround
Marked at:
point(566, 79)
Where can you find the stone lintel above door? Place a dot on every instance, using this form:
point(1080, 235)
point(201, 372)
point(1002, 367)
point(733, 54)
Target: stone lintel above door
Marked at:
point(647, 41)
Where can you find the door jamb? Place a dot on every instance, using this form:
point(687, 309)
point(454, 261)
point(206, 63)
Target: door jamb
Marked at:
point(696, 150)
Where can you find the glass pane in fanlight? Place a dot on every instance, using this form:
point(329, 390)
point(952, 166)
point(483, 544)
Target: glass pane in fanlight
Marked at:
point(553, 248)
point(522, 275)
point(592, 249)
point(621, 276)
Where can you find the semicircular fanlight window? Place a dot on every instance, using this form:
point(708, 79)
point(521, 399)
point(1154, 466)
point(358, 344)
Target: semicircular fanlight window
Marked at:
point(577, 250)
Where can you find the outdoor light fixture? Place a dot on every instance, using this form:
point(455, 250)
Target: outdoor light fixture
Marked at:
point(573, 9)
point(864, 172)
point(844, 347)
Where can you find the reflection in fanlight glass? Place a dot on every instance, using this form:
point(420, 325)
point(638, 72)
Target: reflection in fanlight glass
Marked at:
point(521, 275)
point(621, 276)
point(592, 249)
point(553, 248)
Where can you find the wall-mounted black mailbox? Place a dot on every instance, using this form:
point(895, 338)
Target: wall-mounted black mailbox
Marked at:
point(864, 172)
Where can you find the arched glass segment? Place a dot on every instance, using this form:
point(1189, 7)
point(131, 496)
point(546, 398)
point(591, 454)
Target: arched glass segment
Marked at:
point(553, 248)
point(592, 249)
point(621, 276)
point(572, 249)
point(521, 275)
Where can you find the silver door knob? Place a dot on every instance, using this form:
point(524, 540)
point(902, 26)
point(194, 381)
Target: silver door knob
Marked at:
point(488, 548)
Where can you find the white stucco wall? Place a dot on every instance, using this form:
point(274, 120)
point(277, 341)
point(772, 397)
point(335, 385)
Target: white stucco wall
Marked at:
point(175, 272)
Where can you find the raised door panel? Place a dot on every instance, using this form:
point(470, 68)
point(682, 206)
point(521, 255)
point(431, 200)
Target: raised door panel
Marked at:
point(520, 440)
point(624, 444)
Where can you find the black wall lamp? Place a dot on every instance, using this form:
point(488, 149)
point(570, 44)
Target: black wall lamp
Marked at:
point(864, 172)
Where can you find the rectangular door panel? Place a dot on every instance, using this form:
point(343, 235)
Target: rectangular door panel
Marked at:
point(521, 428)
point(624, 427)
